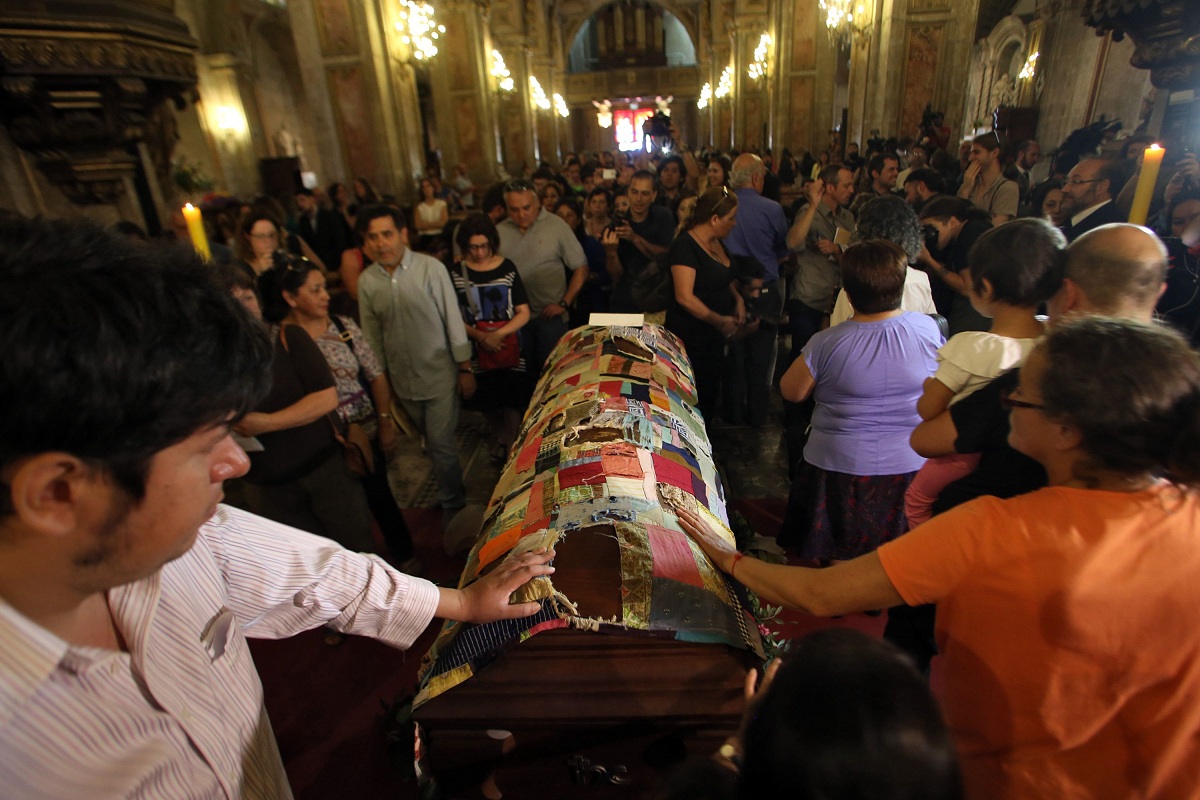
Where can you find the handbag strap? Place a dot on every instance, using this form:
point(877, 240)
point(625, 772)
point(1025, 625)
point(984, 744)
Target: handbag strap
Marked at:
point(349, 338)
point(332, 416)
point(462, 270)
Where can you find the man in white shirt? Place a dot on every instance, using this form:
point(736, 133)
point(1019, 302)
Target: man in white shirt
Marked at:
point(126, 589)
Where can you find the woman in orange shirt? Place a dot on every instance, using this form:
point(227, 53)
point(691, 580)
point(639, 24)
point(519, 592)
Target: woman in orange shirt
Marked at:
point(1067, 617)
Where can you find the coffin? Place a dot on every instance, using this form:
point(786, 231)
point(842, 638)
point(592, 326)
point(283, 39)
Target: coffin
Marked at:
point(638, 656)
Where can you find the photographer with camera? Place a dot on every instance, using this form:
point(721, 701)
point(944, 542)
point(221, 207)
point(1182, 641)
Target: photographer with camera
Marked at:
point(951, 226)
point(634, 239)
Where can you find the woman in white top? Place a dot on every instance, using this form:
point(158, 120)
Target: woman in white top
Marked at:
point(430, 215)
point(893, 220)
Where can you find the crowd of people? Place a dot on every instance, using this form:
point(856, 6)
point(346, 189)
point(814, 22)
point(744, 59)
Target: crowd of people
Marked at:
point(1020, 495)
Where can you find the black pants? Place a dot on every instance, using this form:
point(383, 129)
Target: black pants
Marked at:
point(384, 509)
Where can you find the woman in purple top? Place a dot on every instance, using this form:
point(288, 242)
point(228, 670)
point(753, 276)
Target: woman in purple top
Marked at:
point(865, 376)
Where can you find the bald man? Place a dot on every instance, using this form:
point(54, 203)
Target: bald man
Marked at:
point(1116, 270)
point(761, 233)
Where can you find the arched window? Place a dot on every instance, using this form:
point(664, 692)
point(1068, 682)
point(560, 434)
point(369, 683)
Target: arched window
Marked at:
point(630, 33)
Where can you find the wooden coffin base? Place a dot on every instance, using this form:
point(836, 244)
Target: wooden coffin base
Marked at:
point(573, 714)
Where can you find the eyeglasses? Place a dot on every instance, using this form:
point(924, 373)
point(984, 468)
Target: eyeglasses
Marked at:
point(1009, 403)
point(480, 247)
point(518, 185)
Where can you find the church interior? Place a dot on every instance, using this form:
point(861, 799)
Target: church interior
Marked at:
point(123, 111)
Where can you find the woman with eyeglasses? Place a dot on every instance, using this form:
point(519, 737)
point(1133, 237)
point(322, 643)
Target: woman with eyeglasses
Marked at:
point(259, 239)
point(494, 307)
point(1066, 616)
point(707, 308)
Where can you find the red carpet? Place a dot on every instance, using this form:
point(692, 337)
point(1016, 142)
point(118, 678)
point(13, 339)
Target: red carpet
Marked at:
point(325, 702)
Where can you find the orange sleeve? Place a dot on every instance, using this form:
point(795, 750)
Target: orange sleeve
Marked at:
point(928, 562)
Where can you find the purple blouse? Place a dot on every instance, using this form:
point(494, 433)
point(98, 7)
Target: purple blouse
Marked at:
point(869, 376)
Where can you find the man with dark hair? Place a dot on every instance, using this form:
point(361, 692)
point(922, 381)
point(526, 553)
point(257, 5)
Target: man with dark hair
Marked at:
point(642, 235)
point(984, 183)
point(127, 590)
point(922, 184)
point(1029, 153)
point(320, 228)
point(918, 158)
point(883, 169)
point(672, 186)
point(1088, 196)
point(411, 319)
point(816, 234)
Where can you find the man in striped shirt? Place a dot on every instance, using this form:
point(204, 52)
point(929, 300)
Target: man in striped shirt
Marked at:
point(126, 589)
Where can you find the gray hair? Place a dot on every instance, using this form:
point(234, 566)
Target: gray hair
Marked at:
point(892, 219)
point(741, 178)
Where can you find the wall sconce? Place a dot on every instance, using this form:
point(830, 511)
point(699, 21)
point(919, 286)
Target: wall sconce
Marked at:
point(419, 28)
point(705, 96)
point(537, 95)
point(500, 72)
point(603, 113)
point(725, 85)
point(1029, 68)
point(230, 123)
point(758, 67)
point(560, 105)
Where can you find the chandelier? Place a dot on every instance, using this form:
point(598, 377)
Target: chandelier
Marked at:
point(1029, 68)
point(705, 96)
point(419, 28)
point(845, 19)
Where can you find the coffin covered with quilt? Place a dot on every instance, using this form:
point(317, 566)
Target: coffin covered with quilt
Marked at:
point(638, 655)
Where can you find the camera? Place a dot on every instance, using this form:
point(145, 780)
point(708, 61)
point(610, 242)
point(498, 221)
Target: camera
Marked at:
point(930, 235)
point(658, 129)
point(620, 218)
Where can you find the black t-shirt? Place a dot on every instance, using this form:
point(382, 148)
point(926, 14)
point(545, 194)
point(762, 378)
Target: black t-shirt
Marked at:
point(982, 426)
point(296, 371)
point(711, 288)
point(963, 316)
point(658, 228)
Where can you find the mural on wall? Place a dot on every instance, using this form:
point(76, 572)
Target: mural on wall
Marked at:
point(920, 75)
point(336, 27)
point(470, 144)
point(349, 92)
point(804, 40)
point(800, 121)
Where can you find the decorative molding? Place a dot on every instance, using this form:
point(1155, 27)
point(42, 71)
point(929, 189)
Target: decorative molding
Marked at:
point(1165, 34)
point(78, 94)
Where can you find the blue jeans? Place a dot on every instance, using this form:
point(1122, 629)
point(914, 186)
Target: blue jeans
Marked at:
point(538, 338)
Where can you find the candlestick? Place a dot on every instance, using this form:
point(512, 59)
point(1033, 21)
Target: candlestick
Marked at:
point(1151, 161)
point(196, 230)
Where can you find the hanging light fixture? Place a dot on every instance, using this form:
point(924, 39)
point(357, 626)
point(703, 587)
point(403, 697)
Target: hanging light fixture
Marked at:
point(758, 67)
point(705, 96)
point(603, 113)
point(845, 19)
point(419, 29)
point(537, 95)
point(504, 79)
point(560, 105)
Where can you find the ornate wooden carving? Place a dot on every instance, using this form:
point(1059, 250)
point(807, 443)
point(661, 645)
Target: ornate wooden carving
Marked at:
point(80, 87)
point(1165, 33)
